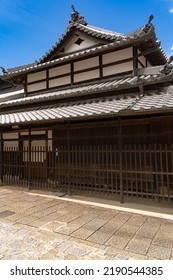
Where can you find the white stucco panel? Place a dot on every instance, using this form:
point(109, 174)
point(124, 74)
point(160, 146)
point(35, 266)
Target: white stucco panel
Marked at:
point(36, 86)
point(87, 42)
point(60, 81)
point(10, 135)
point(36, 76)
point(119, 68)
point(88, 75)
point(60, 70)
point(117, 55)
point(86, 63)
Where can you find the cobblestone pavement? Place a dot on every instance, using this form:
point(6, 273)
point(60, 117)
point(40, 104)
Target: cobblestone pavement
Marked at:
point(38, 227)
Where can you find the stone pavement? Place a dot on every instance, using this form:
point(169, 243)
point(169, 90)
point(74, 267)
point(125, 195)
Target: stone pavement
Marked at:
point(39, 227)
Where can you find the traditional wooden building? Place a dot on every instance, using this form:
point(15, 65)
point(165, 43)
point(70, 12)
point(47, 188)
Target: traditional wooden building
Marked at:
point(93, 115)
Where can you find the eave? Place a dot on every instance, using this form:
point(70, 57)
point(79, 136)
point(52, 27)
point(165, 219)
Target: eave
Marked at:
point(134, 39)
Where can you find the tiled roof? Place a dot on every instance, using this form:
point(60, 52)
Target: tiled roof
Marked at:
point(102, 107)
point(89, 89)
point(120, 42)
point(94, 31)
point(11, 94)
point(114, 40)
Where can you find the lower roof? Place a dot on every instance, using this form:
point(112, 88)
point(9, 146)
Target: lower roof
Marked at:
point(151, 102)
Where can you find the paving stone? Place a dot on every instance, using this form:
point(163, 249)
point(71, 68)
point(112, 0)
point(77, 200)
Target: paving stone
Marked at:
point(67, 229)
point(96, 212)
point(127, 231)
point(37, 231)
point(64, 246)
point(154, 221)
point(118, 242)
point(27, 220)
point(164, 239)
point(82, 233)
point(84, 219)
point(15, 217)
point(79, 250)
point(124, 217)
point(109, 230)
point(167, 225)
point(95, 224)
point(148, 230)
point(99, 237)
point(68, 218)
point(6, 213)
point(53, 226)
point(158, 252)
point(108, 214)
point(138, 245)
point(136, 220)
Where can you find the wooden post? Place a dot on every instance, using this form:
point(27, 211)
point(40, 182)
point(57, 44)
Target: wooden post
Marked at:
point(135, 61)
point(46, 144)
point(120, 161)
point(29, 164)
point(1, 160)
point(68, 159)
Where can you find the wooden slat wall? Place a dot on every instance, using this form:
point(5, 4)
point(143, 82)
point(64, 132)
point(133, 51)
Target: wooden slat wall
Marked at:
point(147, 170)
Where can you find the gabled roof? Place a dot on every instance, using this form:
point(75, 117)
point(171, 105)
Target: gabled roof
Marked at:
point(134, 38)
point(106, 40)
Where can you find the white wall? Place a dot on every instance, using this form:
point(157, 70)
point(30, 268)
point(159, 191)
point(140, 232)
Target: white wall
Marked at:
point(119, 68)
point(60, 81)
point(86, 63)
point(86, 76)
point(36, 86)
point(87, 43)
point(60, 70)
point(36, 76)
point(117, 55)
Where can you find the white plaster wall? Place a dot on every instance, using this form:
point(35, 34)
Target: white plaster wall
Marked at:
point(24, 133)
point(36, 76)
point(64, 69)
point(119, 68)
point(36, 86)
point(142, 60)
point(13, 135)
point(86, 63)
point(86, 76)
point(87, 43)
point(117, 55)
point(38, 132)
point(60, 81)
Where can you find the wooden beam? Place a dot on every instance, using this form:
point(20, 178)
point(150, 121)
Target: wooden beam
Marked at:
point(1, 159)
point(120, 161)
point(135, 60)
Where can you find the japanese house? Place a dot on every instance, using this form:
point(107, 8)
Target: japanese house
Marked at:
point(94, 115)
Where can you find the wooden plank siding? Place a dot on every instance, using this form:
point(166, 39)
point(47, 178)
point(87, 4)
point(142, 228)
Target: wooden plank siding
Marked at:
point(122, 159)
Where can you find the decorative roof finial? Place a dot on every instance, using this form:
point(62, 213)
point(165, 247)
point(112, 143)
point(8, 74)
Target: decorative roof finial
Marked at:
point(149, 24)
point(168, 67)
point(73, 8)
point(151, 17)
point(76, 17)
point(4, 70)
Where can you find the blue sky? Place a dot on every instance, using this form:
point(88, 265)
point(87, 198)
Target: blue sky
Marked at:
point(29, 28)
